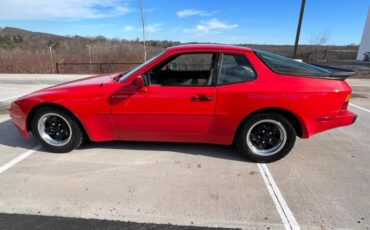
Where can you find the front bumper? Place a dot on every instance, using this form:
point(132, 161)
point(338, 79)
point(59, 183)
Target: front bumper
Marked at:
point(19, 118)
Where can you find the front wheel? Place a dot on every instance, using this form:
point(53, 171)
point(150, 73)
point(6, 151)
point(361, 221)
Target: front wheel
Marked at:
point(56, 130)
point(265, 137)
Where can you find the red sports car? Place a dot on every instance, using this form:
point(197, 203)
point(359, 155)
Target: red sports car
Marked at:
point(216, 94)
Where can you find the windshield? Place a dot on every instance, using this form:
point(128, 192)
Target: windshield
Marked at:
point(128, 74)
point(287, 66)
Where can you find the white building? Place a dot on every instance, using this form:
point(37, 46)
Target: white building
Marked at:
point(365, 41)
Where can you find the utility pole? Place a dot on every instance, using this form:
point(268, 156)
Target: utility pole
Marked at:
point(51, 56)
point(143, 26)
point(89, 46)
point(299, 28)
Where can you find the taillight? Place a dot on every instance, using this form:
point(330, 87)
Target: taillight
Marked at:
point(345, 103)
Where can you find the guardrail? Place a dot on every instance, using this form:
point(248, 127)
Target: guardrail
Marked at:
point(94, 67)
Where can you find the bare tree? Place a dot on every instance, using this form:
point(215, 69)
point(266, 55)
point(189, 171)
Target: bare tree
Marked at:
point(319, 40)
point(51, 46)
point(143, 25)
point(90, 60)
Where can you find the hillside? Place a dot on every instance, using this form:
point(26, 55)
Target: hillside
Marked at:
point(28, 35)
point(23, 51)
point(27, 51)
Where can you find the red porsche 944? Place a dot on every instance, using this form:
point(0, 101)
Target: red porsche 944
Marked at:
point(217, 94)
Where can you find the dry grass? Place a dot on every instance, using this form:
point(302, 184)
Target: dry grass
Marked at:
point(30, 59)
point(23, 51)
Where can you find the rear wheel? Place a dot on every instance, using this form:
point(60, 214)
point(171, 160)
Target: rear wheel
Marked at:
point(56, 130)
point(265, 137)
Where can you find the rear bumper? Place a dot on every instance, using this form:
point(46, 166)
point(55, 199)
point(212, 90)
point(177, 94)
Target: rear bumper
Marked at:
point(344, 118)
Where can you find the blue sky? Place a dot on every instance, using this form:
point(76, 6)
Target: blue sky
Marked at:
point(223, 21)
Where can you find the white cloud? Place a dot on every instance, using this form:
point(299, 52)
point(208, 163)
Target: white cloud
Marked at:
point(62, 9)
point(129, 28)
point(213, 25)
point(120, 10)
point(193, 12)
point(96, 26)
point(151, 28)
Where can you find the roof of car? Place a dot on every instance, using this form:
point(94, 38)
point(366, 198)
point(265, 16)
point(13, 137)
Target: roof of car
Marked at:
point(207, 46)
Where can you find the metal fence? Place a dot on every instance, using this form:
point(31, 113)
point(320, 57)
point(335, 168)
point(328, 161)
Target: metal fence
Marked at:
point(327, 55)
point(94, 67)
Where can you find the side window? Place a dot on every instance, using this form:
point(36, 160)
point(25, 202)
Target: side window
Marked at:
point(235, 68)
point(192, 69)
point(190, 62)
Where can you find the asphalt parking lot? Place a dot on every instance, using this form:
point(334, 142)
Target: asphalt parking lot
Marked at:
point(323, 183)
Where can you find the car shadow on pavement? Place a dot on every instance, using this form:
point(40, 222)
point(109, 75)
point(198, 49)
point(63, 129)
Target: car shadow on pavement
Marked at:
point(10, 137)
point(209, 150)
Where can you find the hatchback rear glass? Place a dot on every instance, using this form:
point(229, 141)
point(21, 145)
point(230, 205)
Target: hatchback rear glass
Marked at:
point(288, 66)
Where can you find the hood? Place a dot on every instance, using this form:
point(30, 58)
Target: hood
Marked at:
point(93, 80)
point(75, 86)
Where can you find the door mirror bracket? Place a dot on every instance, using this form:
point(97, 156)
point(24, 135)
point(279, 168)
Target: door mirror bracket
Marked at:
point(140, 83)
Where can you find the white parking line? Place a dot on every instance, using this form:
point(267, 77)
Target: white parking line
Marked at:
point(16, 160)
point(12, 97)
point(285, 214)
point(359, 107)
point(4, 118)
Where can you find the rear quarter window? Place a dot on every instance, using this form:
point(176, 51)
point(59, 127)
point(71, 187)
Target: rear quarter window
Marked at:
point(235, 68)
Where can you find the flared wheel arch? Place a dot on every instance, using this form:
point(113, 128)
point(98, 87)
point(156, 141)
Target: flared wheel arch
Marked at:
point(296, 122)
point(52, 105)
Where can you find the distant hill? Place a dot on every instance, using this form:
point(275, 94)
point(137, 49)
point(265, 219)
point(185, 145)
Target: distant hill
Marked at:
point(26, 34)
point(40, 39)
point(27, 51)
point(11, 37)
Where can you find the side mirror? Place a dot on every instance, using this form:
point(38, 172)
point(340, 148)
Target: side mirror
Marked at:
point(140, 82)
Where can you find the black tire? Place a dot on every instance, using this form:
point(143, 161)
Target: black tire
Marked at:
point(249, 148)
point(76, 134)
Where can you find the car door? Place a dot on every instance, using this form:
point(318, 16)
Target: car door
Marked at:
point(179, 99)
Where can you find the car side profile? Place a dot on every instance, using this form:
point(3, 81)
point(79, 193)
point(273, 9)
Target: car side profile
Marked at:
point(218, 94)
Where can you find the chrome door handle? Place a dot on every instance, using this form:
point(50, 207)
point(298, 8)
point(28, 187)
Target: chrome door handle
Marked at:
point(202, 98)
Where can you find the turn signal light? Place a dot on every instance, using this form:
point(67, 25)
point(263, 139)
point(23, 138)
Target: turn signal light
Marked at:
point(345, 103)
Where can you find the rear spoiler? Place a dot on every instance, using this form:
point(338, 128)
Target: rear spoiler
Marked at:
point(335, 73)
